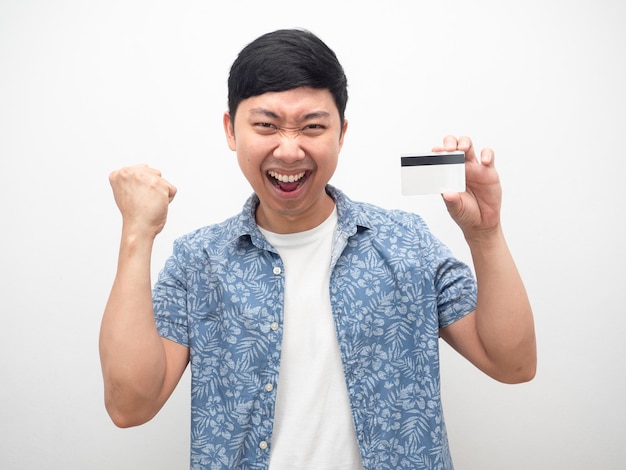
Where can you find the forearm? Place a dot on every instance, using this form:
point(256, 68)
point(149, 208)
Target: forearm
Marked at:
point(504, 319)
point(131, 351)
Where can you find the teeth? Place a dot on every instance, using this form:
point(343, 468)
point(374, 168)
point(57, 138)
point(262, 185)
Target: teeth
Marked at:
point(286, 178)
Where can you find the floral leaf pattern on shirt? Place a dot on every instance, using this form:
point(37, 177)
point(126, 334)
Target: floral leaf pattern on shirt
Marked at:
point(393, 285)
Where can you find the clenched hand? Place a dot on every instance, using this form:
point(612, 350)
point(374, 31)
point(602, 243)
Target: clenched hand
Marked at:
point(142, 197)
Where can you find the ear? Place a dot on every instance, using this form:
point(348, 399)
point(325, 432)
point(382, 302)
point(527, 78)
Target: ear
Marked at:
point(343, 133)
point(229, 130)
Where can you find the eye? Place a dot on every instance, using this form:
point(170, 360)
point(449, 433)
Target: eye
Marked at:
point(264, 127)
point(313, 129)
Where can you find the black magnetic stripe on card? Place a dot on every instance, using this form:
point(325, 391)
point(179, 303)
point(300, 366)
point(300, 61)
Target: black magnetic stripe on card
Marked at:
point(432, 160)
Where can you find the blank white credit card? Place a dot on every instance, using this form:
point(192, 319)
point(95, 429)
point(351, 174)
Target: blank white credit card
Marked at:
point(432, 173)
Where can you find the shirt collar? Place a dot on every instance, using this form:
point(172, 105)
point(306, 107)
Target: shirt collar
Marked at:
point(350, 218)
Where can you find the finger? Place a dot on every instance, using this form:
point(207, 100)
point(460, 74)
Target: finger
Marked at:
point(465, 144)
point(487, 156)
point(154, 171)
point(141, 173)
point(113, 176)
point(450, 143)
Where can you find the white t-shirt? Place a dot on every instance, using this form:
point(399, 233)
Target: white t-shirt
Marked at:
point(313, 427)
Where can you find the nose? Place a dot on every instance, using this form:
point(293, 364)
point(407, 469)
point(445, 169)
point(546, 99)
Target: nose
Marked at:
point(288, 148)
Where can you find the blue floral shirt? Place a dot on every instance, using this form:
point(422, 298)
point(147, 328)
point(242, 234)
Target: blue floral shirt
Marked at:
point(393, 286)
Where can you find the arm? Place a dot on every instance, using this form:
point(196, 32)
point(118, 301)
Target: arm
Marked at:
point(140, 369)
point(498, 337)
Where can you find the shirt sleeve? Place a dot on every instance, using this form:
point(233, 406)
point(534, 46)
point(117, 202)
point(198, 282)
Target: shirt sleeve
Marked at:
point(456, 291)
point(169, 299)
point(453, 280)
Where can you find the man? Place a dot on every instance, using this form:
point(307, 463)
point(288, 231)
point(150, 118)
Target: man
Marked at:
point(310, 321)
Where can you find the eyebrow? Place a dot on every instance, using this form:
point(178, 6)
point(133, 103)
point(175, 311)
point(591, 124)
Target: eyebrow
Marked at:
point(306, 117)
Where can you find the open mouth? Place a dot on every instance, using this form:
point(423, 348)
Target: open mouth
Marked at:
point(287, 183)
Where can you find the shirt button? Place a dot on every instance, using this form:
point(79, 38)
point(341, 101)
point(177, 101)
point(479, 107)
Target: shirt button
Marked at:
point(277, 270)
point(263, 445)
point(269, 387)
point(274, 326)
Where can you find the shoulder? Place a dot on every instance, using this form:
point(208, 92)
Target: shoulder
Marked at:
point(377, 219)
point(222, 233)
point(211, 242)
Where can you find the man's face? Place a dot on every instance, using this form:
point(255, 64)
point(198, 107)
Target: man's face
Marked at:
point(287, 145)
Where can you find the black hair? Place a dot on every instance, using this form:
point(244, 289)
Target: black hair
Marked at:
point(283, 60)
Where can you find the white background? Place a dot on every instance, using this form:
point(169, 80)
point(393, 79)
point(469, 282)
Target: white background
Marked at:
point(87, 87)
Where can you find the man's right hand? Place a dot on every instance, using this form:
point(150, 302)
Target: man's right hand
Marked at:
point(142, 197)
point(140, 369)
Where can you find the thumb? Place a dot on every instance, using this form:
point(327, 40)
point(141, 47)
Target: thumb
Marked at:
point(171, 190)
point(453, 203)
